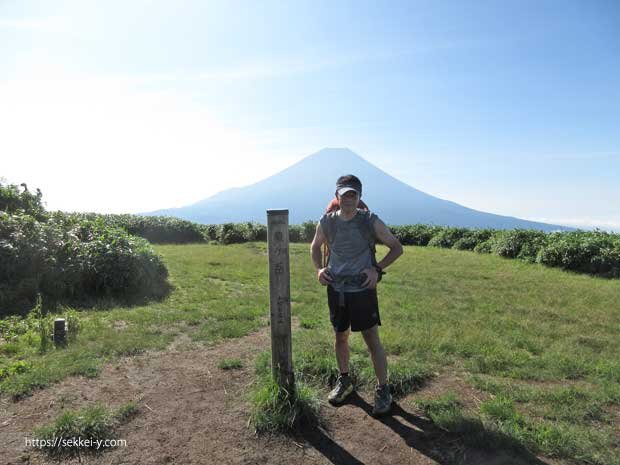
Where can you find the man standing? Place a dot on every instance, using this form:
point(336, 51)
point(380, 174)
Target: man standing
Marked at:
point(351, 277)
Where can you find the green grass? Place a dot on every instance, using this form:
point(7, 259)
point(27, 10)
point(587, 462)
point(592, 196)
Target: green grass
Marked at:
point(498, 424)
point(219, 293)
point(230, 364)
point(543, 340)
point(83, 430)
point(275, 409)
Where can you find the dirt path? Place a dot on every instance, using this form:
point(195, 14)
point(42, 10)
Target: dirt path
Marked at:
point(192, 412)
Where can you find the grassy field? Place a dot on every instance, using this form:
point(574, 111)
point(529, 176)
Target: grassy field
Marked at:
point(543, 342)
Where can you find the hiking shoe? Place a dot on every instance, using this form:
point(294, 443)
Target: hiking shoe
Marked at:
point(383, 400)
point(343, 388)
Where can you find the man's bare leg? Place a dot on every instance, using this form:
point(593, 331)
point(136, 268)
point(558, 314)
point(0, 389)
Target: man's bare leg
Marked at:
point(342, 350)
point(379, 359)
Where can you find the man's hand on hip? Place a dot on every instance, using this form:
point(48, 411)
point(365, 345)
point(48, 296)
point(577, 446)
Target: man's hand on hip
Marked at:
point(324, 276)
point(372, 275)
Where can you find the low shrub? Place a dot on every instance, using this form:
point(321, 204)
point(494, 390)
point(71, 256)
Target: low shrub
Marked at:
point(229, 233)
point(595, 252)
point(15, 200)
point(155, 229)
point(447, 237)
point(295, 233)
point(484, 246)
point(209, 232)
point(416, 234)
point(67, 258)
point(471, 238)
point(308, 229)
point(520, 243)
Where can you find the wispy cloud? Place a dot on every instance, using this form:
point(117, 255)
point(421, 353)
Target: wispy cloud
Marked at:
point(54, 23)
point(244, 71)
point(268, 69)
point(581, 156)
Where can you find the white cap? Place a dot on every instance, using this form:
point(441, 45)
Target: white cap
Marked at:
point(344, 190)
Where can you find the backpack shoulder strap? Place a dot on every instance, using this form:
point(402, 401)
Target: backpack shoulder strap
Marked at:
point(367, 220)
point(328, 225)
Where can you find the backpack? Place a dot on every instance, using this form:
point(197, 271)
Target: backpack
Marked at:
point(368, 231)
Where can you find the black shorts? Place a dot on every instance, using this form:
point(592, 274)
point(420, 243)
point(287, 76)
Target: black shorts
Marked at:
point(360, 311)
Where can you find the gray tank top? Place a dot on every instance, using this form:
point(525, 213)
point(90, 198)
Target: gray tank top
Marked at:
point(349, 248)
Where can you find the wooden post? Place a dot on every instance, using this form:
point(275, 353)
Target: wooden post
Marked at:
point(60, 332)
point(280, 299)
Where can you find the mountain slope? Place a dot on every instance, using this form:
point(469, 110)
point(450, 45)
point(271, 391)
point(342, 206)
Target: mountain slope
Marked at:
point(306, 187)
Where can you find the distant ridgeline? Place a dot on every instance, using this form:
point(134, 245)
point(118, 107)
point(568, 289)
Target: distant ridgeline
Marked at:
point(72, 257)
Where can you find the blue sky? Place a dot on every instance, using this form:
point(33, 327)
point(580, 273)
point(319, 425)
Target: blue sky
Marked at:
point(506, 107)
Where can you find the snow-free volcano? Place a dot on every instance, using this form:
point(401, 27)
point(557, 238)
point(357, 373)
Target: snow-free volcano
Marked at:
point(306, 187)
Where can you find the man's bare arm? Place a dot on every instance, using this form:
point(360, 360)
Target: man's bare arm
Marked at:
point(317, 256)
point(315, 248)
point(386, 237)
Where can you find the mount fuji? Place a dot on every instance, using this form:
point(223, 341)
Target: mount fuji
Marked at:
point(306, 188)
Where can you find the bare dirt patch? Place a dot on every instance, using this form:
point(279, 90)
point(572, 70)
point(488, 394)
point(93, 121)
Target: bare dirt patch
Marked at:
point(192, 412)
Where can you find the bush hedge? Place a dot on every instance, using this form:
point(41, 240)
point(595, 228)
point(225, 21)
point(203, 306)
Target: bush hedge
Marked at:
point(416, 234)
point(593, 252)
point(155, 229)
point(70, 259)
point(78, 256)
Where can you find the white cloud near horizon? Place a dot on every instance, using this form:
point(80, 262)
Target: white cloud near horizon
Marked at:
point(77, 138)
point(48, 25)
point(583, 223)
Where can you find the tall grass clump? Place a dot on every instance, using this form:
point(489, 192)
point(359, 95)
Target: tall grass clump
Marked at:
point(499, 425)
point(68, 260)
point(559, 439)
point(92, 427)
point(448, 414)
point(275, 409)
point(406, 376)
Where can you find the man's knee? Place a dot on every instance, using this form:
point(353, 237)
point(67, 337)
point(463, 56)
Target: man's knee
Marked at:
point(371, 336)
point(342, 336)
point(371, 333)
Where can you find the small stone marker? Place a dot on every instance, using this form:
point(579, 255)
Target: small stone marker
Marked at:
point(280, 299)
point(60, 332)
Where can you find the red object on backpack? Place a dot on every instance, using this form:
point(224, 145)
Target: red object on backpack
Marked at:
point(332, 207)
